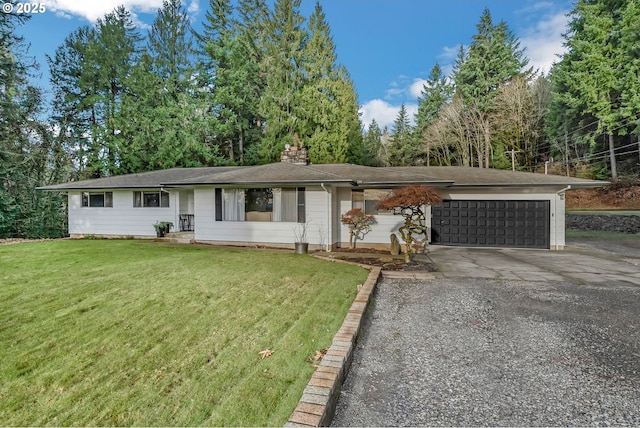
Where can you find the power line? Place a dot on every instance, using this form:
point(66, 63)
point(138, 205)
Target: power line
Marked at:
point(606, 155)
point(604, 152)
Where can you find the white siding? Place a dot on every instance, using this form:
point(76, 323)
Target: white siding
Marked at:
point(186, 201)
point(121, 220)
point(380, 231)
point(323, 210)
point(558, 222)
point(317, 203)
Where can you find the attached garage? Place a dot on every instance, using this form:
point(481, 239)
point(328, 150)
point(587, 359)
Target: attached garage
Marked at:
point(492, 223)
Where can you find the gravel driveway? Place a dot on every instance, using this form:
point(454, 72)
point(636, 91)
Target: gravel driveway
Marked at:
point(478, 351)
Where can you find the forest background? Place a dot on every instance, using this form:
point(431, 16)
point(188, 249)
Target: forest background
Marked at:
point(258, 77)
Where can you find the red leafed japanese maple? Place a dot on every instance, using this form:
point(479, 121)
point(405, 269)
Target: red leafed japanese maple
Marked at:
point(409, 201)
point(359, 224)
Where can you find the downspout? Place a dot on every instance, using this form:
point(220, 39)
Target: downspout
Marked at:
point(327, 246)
point(176, 208)
point(561, 194)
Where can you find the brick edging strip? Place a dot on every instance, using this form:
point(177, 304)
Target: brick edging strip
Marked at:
point(319, 399)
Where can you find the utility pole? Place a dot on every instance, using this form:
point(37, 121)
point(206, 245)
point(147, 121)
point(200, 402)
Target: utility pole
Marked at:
point(513, 158)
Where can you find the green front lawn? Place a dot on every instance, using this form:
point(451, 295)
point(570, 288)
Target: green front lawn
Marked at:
point(136, 333)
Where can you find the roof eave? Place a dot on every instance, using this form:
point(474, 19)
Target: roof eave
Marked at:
point(392, 183)
point(66, 189)
point(259, 183)
point(571, 185)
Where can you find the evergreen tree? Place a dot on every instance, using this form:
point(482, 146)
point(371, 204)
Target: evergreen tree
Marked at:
point(372, 145)
point(109, 58)
point(162, 99)
point(630, 46)
point(593, 102)
point(327, 101)
point(71, 114)
point(493, 59)
point(434, 96)
point(231, 50)
point(26, 147)
point(247, 59)
point(401, 151)
point(282, 71)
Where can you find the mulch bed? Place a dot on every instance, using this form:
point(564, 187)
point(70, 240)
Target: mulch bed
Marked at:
point(392, 264)
point(389, 263)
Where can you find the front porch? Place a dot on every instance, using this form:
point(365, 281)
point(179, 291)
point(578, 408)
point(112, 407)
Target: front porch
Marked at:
point(179, 238)
point(186, 223)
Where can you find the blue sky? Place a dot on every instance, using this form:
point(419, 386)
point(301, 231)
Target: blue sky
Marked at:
point(388, 46)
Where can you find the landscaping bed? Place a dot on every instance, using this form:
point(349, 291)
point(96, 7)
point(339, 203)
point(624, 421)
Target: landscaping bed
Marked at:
point(382, 258)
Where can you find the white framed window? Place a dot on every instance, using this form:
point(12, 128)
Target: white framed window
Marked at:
point(367, 199)
point(261, 204)
point(97, 199)
point(158, 199)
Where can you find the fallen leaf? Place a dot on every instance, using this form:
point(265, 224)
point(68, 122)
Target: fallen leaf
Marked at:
point(318, 356)
point(266, 353)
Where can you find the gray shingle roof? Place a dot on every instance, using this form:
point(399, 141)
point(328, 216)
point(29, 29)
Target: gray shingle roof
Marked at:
point(142, 180)
point(468, 176)
point(357, 175)
point(273, 173)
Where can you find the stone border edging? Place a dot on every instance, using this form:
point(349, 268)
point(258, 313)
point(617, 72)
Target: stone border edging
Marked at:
point(319, 399)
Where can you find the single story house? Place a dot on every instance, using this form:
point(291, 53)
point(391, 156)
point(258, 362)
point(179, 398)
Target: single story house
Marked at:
point(266, 204)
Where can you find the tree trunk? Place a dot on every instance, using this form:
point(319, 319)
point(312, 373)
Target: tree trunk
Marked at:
point(487, 143)
point(231, 156)
point(566, 150)
point(241, 147)
point(427, 150)
point(612, 157)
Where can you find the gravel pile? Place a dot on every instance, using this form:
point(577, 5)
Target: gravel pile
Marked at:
point(608, 223)
point(496, 353)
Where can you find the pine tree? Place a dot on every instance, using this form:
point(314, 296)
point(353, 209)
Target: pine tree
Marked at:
point(26, 147)
point(596, 76)
point(493, 59)
point(434, 96)
point(630, 46)
point(284, 43)
point(372, 145)
point(401, 150)
point(109, 58)
point(327, 100)
point(162, 107)
point(231, 51)
point(71, 114)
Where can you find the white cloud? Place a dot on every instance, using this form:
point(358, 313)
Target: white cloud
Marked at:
point(194, 7)
point(543, 42)
point(416, 87)
point(384, 113)
point(92, 10)
point(449, 53)
point(404, 88)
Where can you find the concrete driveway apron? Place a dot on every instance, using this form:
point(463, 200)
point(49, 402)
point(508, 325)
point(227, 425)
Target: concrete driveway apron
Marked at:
point(583, 265)
point(502, 337)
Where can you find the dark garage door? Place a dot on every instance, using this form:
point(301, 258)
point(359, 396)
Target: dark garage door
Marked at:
point(522, 224)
